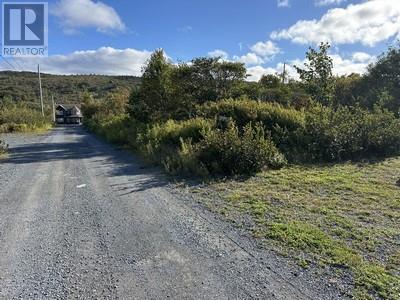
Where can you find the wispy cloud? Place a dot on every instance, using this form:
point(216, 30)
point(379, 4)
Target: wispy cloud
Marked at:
point(283, 3)
point(328, 2)
point(186, 28)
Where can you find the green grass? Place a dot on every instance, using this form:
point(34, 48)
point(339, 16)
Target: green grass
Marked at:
point(345, 215)
point(24, 128)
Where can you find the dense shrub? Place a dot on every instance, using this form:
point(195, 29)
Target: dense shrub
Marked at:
point(185, 160)
point(118, 129)
point(195, 146)
point(21, 118)
point(158, 140)
point(231, 152)
point(113, 129)
point(348, 133)
point(226, 152)
point(282, 122)
point(244, 111)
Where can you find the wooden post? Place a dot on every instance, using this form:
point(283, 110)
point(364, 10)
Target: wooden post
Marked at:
point(284, 72)
point(41, 92)
point(54, 108)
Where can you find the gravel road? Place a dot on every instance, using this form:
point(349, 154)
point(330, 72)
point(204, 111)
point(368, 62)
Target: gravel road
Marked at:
point(81, 219)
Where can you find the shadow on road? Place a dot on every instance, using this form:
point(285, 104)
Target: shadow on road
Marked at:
point(75, 143)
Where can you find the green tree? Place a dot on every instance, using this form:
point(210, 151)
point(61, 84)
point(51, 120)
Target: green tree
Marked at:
point(117, 103)
point(227, 76)
point(382, 81)
point(270, 81)
point(89, 106)
point(246, 89)
point(151, 102)
point(347, 90)
point(317, 74)
point(210, 79)
point(204, 79)
point(169, 91)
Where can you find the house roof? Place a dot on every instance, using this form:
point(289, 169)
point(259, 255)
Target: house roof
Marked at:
point(68, 106)
point(73, 111)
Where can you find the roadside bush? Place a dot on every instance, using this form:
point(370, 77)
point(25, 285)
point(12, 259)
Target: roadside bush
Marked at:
point(20, 118)
point(244, 111)
point(119, 129)
point(229, 152)
point(349, 133)
point(160, 139)
point(197, 147)
point(185, 161)
point(282, 122)
point(113, 128)
point(12, 127)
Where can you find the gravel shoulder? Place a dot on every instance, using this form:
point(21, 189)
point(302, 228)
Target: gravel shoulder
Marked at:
point(79, 218)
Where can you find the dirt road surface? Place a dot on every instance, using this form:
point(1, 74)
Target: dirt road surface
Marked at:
point(82, 219)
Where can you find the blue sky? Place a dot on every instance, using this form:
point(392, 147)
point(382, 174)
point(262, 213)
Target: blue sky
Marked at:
point(116, 37)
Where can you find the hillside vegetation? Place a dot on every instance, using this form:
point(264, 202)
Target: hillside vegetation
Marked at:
point(23, 86)
point(19, 96)
point(203, 118)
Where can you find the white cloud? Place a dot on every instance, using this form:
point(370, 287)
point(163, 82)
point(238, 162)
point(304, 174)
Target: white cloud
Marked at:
point(75, 14)
point(347, 66)
point(249, 59)
point(105, 61)
point(356, 63)
point(255, 73)
point(261, 52)
point(328, 2)
point(367, 23)
point(265, 49)
point(283, 3)
point(362, 57)
point(110, 61)
point(219, 53)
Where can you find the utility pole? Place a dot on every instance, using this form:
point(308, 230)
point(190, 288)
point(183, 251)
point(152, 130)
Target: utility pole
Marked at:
point(41, 92)
point(284, 72)
point(54, 108)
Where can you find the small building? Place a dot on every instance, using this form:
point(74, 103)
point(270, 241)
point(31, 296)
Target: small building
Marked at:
point(68, 114)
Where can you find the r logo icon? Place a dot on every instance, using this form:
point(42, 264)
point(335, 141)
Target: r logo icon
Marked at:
point(24, 29)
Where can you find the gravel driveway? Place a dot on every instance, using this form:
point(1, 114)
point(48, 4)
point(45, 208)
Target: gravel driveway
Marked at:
point(81, 219)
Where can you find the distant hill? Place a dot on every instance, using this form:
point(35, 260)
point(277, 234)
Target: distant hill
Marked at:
point(23, 86)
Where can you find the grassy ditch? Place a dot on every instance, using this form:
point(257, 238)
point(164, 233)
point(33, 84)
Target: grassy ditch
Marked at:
point(344, 215)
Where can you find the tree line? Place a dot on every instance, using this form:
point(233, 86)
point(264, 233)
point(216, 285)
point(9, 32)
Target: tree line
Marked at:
point(204, 117)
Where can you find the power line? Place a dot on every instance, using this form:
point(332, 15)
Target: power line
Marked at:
point(18, 64)
point(8, 63)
